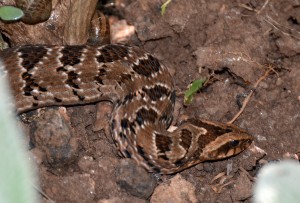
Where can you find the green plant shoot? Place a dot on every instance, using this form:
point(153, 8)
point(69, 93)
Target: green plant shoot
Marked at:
point(192, 89)
point(164, 7)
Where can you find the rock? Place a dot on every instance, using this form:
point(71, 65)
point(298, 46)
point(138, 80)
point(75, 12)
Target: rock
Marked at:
point(177, 190)
point(242, 185)
point(134, 179)
point(122, 200)
point(53, 136)
point(74, 188)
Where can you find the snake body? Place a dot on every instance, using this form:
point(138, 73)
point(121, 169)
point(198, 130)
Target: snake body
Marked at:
point(141, 90)
point(138, 85)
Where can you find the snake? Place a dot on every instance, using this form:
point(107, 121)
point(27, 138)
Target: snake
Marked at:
point(141, 90)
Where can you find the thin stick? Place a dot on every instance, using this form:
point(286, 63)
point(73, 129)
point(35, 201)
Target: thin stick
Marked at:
point(246, 101)
point(262, 8)
point(43, 194)
point(285, 30)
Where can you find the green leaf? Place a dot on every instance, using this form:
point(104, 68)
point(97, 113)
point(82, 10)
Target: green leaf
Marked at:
point(16, 173)
point(278, 182)
point(192, 89)
point(164, 7)
point(10, 13)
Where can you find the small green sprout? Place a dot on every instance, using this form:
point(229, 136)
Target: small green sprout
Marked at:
point(164, 7)
point(195, 86)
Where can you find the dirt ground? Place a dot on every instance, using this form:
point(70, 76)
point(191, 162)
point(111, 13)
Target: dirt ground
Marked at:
point(193, 38)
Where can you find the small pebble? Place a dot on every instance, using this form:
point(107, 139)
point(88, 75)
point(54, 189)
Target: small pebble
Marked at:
point(134, 179)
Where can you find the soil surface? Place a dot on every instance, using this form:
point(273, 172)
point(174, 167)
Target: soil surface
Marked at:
point(78, 162)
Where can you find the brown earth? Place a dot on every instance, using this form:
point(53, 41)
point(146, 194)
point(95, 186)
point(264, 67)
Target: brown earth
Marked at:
point(79, 163)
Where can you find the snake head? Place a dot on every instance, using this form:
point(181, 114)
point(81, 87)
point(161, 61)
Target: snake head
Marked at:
point(227, 140)
point(218, 140)
point(197, 140)
point(226, 145)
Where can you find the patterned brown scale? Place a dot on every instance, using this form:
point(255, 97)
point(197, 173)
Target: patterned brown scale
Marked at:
point(138, 85)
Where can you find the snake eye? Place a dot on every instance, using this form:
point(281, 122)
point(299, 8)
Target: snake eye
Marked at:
point(234, 143)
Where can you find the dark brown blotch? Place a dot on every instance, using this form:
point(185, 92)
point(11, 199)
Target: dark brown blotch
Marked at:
point(113, 124)
point(125, 77)
point(72, 77)
point(156, 92)
point(120, 50)
point(167, 118)
point(147, 66)
point(71, 55)
point(124, 123)
point(27, 90)
point(128, 98)
point(179, 162)
point(186, 139)
point(122, 136)
point(145, 115)
point(80, 98)
point(101, 59)
point(147, 160)
point(213, 131)
point(173, 97)
point(31, 55)
point(111, 53)
point(99, 80)
point(127, 154)
point(61, 69)
point(58, 100)
point(30, 84)
point(163, 143)
point(42, 89)
point(167, 114)
point(101, 73)
point(132, 128)
point(118, 103)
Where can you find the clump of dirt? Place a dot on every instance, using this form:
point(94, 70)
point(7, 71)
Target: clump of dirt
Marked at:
point(193, 38)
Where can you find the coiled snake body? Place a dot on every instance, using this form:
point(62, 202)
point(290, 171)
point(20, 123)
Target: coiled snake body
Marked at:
point(138, 85)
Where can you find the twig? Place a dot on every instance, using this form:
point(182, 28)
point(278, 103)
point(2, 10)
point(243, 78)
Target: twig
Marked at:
point(265, 4)
point(43, 194)
point(249, 96)
point(255, 10)
point(285, 30)
point(246, 7)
